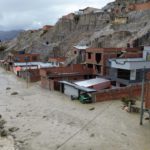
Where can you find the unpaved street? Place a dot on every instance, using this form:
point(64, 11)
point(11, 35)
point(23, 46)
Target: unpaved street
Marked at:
point(50, 120)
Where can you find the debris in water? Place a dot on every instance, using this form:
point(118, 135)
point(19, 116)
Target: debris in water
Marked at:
point(4, 133)
point(92, 135)
point(14, 93)
point(44, 116)
point(8, 88)
point(147, 118)
point(123, 134)
point(92, 108)
point(2, 123)
point(13, 129)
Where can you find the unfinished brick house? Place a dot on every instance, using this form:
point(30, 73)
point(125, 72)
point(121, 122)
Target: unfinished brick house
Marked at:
point(26, 57)
point(97, 58)
point(51, 76)
point(80, 53)
point(47, 27)
point(124, 6)
point(139, 6)
point(125, 71)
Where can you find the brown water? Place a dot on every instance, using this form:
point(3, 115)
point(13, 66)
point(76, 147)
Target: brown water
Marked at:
point(50, 120)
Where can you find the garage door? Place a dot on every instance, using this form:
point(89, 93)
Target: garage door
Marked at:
point(69, 90)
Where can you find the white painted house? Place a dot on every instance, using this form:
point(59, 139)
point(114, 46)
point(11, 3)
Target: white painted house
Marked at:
point(129, 70)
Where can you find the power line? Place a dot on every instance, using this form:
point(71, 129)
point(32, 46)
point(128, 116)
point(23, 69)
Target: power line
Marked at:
point(67, 140)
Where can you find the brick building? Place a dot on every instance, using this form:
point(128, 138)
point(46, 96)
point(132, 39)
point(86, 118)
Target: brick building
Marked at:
point(139, 6)
point(26, 57)
point(97, 58)
point(80, 53)
point(47, 27)
point(124, 6)
point(51, 76)
point(126, 71)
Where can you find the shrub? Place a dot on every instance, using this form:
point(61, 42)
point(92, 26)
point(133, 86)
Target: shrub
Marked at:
point(2, 48)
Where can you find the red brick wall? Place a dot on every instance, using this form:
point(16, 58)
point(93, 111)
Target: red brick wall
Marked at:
point(133, 55)
point(33, 75)
point(127, 92)
point(44, 83)
point(115, 94)
point(21, 57)
point(147, 96)
point(102, 86)
point(143, 6)
point(71, 69)
point(34, 79)
point(92, 59)
point(49, 84)
point(138, 7)
point(108, 53)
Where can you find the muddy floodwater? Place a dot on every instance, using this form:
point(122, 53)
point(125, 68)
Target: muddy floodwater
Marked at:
point(48, 120)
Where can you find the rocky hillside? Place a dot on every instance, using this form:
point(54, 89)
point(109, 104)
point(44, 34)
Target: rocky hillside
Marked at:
point(91, 27)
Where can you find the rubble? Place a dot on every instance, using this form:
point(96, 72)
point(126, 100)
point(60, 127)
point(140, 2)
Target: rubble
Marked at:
point(13, 129)
point(8, 88)
point(3, 131)
point(93, 108)
point(92, 135)
point(14, 93)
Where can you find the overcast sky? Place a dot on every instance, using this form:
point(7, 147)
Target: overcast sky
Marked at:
point(33, 14)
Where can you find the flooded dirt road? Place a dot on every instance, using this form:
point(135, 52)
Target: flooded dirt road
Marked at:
point(49, 120)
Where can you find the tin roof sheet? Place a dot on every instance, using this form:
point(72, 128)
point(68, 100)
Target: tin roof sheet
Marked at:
point(91, 82)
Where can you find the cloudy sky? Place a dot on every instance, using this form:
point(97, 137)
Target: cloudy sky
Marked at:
point(32, 14)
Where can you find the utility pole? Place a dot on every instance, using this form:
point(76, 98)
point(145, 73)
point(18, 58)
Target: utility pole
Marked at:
point(142, 98)
point(26, 60)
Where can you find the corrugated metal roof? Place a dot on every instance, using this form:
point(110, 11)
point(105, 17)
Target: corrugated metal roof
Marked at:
point(81, 47)
point(39, 64)
point(78, 87)
point(91, 82)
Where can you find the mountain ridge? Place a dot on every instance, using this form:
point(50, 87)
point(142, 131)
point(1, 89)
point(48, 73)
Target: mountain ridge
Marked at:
point(9, 35)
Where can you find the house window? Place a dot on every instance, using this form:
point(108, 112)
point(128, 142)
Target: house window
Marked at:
point(89, 55)
point(34, 58)
point(98, 57)
point(26, 58)
point(98, 68)
point(123, 74)
point(17, 59)
point(90, 66)
point(75, 52)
